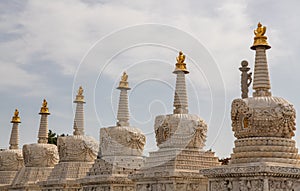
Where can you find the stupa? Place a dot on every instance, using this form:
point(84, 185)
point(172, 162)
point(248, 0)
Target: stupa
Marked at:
point(120, 153)
point(265, 157)
point(39, 158)
point(180, 137)
point(76, 154)
point(11, 160)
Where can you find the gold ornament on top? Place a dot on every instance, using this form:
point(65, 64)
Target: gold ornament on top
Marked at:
point(80, 91)
point(181, 57)
point(44, 108)
point(260, 39)
point(16, 118)
point(79, 96)
point(180, 65)
point(124, 83)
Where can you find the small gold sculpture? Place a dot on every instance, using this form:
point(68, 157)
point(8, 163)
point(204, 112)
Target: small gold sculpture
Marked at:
point(260, 31)
point(80, 91)
point(123, 83)
point(45, 103)
point(260, 39)
point(79, 96)
point(124, 77)
point(16, 114)
point(16, 118)
point(44, 108)
point(180, 65)
point(181, 57)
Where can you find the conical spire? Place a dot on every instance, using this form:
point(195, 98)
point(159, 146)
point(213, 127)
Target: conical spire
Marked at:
point(123, 111)
point(14, 137)
point(79, 114)
point(180, 98)
point(43, 131)
point(261, 81)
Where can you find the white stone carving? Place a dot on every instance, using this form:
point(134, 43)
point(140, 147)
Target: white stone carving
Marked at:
point(77, 148)
point(263, 116)
point(124, 141)
point(11, 160)
point(180, 131)
point(40, 155)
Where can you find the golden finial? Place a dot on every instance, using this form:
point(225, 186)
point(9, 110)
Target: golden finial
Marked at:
point(80, 91)
point(181, 57)
point(260, 31)
point(260, 39)
point(124, 77)
point(124, 83)
point(79, 96)
point(16, 118)
point(180, 65)
point(44, 108)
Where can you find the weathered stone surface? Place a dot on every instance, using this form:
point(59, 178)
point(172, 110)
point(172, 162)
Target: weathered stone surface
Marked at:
point(28, 178)
point(40, 155)
point(180, 131)
point(11, 160)
point(176, 165)
point(263, 117)
point(120, 155)
point(253, 176)
point(65, 176)
point(77, 148)
point(121, 141)
point(77, 155)
point(39, 161)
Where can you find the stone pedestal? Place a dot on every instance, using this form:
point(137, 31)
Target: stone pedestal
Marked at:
point(11, 161)
point(39, 161)
point(77, 155)
point(120, 155)
point(258, 176)
point(176, 165)
point(265, 157)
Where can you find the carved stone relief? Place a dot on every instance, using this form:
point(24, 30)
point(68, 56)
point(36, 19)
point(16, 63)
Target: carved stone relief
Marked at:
point(11, 160)
point(77, 148)
point(263, 116)
point(121, 141)
point(40, 155)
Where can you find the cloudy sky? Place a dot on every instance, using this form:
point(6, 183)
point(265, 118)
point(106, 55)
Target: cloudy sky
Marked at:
point(49, 48)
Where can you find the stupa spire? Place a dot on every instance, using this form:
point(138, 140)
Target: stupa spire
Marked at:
point(43, 131)
point(14, 137)
point(180, 98)
point(79, 114)
point(123, 111)
point(261, 81)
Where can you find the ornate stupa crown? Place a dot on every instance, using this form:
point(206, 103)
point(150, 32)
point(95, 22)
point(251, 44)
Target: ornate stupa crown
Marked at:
point(44, 108)
point(260, 39)
point(16, 118)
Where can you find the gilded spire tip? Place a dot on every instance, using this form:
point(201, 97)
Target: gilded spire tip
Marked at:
point(44, 108)
point(124, 83)
point(180, 65)
point(80, 91)
point(260, 39)
point(79, 96)
point(16, 118)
